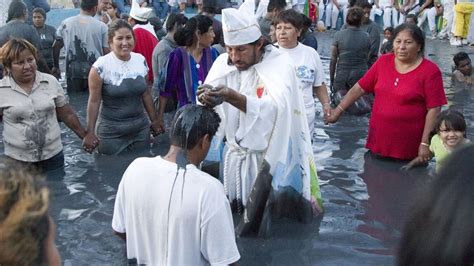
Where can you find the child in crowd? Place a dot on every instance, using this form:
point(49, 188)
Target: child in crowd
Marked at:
point(463, 69)
point(411, 19)
point(387, 44)
point(450, 134)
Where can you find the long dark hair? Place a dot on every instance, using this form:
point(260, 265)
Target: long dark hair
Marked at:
point(186, 36)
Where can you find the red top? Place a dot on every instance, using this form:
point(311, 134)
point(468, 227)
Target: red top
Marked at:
point(145, 42)
point(400, 105)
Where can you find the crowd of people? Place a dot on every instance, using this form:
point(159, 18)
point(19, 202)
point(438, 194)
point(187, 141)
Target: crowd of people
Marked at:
point(240, 93)
point(451, 20)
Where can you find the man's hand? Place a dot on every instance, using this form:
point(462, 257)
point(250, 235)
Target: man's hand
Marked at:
point(212, 96)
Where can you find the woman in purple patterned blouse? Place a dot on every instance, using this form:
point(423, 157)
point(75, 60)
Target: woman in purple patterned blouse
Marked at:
point(188, 64)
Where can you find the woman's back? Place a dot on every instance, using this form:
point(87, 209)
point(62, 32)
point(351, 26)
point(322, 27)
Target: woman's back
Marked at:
point(353, 46)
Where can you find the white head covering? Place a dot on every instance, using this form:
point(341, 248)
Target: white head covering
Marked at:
point(239, 27)
point(140, 13)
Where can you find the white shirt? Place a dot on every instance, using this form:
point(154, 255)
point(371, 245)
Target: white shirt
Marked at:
point(309, 73)
point(171, 223)
point(31, 131)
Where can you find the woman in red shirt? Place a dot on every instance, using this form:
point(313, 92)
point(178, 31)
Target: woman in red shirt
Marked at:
point(408, 95)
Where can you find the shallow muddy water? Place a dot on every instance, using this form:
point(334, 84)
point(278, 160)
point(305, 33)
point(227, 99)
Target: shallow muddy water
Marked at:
point(366, 200)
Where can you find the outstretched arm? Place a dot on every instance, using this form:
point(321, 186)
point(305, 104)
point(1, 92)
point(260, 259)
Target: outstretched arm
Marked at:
point(95, 97)
point(424, 151)
point(322, 93)
point(150, 109)
point(67, 115)
point(352, 95)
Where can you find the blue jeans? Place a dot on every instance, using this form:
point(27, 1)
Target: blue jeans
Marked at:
point(161, 8)
point(122, 8)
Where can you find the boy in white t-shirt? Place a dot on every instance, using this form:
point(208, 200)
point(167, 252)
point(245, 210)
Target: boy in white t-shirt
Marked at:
point(170, 212)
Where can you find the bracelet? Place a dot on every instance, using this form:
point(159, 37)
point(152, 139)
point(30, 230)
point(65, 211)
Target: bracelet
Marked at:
point(425, 144)
point(327, 104)
point(340, 108)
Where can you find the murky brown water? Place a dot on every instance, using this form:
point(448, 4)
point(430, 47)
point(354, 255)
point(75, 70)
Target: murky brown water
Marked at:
point(366, 200)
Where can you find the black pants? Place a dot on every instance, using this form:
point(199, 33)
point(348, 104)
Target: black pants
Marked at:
point(54, 163)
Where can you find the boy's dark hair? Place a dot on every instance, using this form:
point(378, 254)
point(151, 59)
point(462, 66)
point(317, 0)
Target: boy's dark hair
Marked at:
point(191, 123)
point(412, 16)
point(460, 57)
point(17, 9)
point(276, 5)
point(290, 16)
point(390, 29)
point(156, 23)
point(87, 5)
point(173, 19)
point(453, 120)
point(39, 10)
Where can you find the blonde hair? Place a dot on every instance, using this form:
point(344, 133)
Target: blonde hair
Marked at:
point(24, 223)
point(11, 51)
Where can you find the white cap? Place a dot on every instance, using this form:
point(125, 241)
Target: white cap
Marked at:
point(239, 27)
point(140, 13)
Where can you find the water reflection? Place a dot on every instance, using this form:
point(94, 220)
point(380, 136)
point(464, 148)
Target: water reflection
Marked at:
point(391, 192)
point(365, 199)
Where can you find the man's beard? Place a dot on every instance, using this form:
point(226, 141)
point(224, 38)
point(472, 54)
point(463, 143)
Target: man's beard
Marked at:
point(253, 61)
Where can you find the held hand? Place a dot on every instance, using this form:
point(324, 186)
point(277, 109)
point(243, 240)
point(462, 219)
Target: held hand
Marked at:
point(327, 110)
point(157, 127)
point(90, 142)
point(417, 161)
point(424, 153)
point(333, 116)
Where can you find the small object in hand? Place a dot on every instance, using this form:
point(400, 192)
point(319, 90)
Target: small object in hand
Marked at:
point(216, 100)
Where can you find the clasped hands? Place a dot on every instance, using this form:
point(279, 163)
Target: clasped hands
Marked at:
point(90, 142)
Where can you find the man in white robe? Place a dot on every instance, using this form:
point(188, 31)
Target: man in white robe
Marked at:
point(268, 158)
